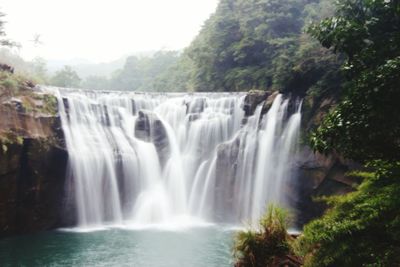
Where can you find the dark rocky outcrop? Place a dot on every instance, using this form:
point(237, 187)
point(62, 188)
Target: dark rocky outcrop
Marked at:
point(255, 98)
point(321, 175)
point(252, 100)
point(7, 68)
point(31, 186)
point(150, 128)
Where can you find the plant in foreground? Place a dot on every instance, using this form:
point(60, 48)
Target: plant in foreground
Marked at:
point(362, 228)
point(269, 245)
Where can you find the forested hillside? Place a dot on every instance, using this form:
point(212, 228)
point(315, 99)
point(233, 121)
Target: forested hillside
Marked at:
point(257, 44)
point(137, 73)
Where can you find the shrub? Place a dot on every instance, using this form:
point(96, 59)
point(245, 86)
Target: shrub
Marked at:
point(268, 245)
point(361, 228)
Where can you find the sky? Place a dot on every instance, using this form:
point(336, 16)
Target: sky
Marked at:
point(102, 30)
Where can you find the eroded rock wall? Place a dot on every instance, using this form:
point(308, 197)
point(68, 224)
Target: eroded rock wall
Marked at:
point(33, 164)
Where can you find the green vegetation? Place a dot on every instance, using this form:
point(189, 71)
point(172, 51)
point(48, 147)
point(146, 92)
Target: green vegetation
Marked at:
point(364, 125)
point(11, 84)
point(66, 77)
point(362, 228)
point(268, 246)
point(259, 44)
point(241, 45)
point(139, 74)
point(16, 85)
point(150, 73)
point(35, 70)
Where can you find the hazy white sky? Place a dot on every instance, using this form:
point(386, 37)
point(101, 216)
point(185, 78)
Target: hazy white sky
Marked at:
point(103, 30)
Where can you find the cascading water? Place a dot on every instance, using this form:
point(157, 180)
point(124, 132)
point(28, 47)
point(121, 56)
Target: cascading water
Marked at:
point(160, 158)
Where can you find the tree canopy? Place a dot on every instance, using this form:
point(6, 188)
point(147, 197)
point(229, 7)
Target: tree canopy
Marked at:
point(364, 126)
point(259, 44)
point(66, 77)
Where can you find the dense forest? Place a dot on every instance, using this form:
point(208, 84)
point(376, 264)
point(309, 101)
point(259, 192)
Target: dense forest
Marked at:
point(349, 51)
point(258, 45)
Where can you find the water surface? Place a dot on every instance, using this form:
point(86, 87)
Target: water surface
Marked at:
point(195, 247)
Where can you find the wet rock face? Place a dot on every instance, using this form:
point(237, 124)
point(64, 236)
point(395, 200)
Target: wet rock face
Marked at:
point(32, 178)
point(149, 128)
point(252, 100)
point(255, 98)
point(318, 176)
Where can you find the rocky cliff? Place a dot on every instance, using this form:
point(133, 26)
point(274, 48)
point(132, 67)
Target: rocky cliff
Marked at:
point(33, 162)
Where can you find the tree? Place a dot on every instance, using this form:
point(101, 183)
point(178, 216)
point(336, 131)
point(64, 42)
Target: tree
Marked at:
point(231, 52)
point(66, 77)
point(4, 41)
point(256, 44)
point(363, 126)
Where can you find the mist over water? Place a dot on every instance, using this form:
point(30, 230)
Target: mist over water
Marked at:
point(174, 159)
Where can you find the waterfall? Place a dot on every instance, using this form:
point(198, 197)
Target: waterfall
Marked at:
point(138, 158)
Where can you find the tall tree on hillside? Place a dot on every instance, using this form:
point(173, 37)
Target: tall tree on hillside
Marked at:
point(364, 126)
point(66, 77)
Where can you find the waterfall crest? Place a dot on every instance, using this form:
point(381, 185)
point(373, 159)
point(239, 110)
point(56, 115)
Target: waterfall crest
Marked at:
point(154, 158)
